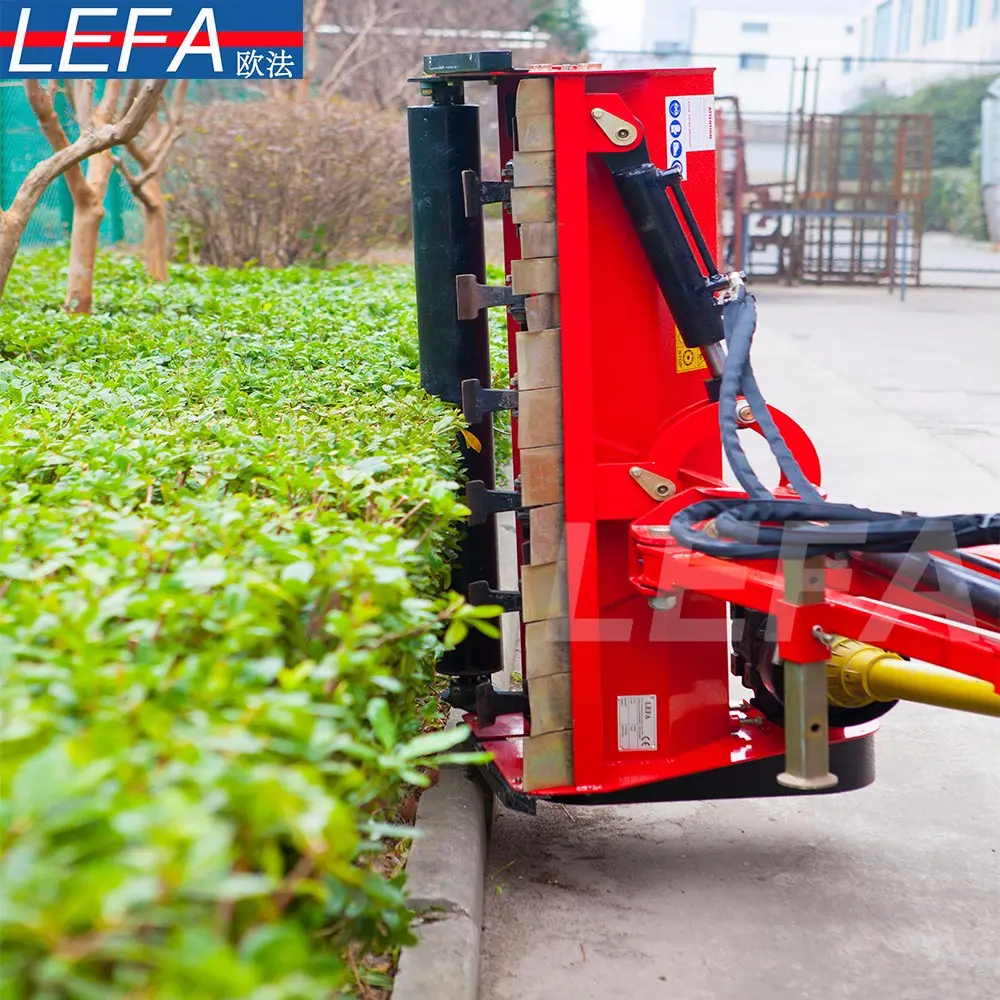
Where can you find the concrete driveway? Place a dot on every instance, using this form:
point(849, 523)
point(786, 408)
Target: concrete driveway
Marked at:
point(892, 892)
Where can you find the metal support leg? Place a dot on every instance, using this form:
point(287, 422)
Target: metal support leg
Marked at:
point(807, 726)
point(807, 731)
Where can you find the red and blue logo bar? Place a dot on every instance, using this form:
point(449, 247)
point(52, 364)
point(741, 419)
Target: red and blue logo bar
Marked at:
point(226, 40)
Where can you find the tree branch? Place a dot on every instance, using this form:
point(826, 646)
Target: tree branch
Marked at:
point(67, 158)
point(44, 107)
point(83, 101)
point(105, 111)
point(139, 153)
point(133, 182)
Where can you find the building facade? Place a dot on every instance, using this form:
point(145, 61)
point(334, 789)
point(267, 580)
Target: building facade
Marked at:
point(757, 46)
point(905, 44)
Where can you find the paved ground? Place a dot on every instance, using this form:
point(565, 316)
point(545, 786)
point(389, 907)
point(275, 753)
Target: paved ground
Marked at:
point(955, 260)
point(891, 892)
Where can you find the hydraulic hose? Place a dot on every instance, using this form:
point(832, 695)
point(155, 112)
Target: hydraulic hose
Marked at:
point(766, 528)
point(740, 324)
point(955, 585)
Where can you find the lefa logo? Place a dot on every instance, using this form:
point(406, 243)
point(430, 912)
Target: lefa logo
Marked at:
point(189, 40)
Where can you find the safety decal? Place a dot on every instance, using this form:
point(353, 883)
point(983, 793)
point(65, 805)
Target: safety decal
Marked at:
point(690, 128)
point(688, 360)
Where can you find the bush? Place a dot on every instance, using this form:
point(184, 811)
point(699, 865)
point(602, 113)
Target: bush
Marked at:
point(226, 519)
point(957, 109)
point(279, 183)
point(955, 204)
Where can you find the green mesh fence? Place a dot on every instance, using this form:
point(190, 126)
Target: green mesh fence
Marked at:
point(22, 145)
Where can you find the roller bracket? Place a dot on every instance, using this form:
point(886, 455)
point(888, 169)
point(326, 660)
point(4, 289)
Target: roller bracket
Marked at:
point(478, 192)
point(473, 297)
point(481, 593)
point(477, 401)
point(483, 502)
point(491, 703)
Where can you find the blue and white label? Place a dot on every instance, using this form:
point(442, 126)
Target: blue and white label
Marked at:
point(690, 128)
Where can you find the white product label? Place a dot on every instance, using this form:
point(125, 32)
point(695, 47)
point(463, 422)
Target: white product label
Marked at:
point(690, 128)
point(637, 722)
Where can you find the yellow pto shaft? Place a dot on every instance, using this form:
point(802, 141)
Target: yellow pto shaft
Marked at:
point(859, 674)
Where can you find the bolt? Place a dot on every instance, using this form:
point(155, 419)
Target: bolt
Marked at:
point(635, 472)
point(744, 414)
point(662, 490)
point(598, 112)
point(624, 133)
point(663, 603)
point(824, 637)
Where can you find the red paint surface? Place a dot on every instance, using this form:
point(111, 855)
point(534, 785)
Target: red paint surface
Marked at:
point(625, 404)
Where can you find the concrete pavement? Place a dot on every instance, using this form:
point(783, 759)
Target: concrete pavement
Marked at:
point(890, 892)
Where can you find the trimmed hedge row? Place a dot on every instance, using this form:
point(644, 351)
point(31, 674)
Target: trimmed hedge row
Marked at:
point(226, 517)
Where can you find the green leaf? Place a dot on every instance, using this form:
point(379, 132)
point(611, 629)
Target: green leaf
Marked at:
point(428, 744)
point(485, 611)
point(381, 719)
point(455, 633)
point(299, 572)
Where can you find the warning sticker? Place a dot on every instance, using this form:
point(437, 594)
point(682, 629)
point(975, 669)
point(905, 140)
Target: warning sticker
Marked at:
point(637, 722)
point(688, 360)
point(690, 128)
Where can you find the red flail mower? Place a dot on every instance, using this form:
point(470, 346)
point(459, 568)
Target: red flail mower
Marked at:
point(645, 580)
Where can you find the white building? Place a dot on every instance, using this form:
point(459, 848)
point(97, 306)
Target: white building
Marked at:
point(904, 44)
point(758, 47)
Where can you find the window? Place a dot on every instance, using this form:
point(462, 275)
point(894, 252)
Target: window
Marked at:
point(905, 26)
point(848, 64)
point(753, 61)
point(935, 20)
point(661, 48)
point(968, 14)
point(864, 37)
point(754, 27)
point(882, 38)
point(849, 29)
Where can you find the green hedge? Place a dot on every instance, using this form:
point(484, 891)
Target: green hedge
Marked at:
point(956, 204)
point(226, 518)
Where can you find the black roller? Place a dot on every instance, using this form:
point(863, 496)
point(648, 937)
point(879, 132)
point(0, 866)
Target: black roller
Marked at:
point(445, 141)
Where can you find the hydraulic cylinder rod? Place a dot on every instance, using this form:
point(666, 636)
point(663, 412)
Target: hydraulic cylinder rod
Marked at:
point(859, 674)
point(686, 290)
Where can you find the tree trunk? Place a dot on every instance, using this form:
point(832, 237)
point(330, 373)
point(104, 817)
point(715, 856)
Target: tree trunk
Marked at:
point(88, 214)
point(154, 214)
point(83, 258)
point(11, 230)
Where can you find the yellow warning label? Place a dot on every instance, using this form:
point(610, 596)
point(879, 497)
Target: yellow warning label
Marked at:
point(688, 360)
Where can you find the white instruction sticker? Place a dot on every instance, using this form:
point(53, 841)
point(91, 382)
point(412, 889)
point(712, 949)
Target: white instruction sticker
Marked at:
point(690, 128)
point(637, 722)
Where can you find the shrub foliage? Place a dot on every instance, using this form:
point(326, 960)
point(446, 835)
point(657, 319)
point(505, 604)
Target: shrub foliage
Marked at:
point(279, 182)
point(226, 516)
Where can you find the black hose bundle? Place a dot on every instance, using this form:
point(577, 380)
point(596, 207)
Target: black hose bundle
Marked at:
point(763, 527)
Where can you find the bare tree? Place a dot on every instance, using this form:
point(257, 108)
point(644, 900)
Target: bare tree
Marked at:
point(316, 12)
point(370, 47)
point(161, 132)
point(106, 129)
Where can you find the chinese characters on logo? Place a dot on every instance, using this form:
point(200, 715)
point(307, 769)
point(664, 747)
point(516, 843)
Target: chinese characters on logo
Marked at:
point(269, 65)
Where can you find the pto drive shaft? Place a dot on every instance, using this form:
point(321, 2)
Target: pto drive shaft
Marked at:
point(859, 674)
